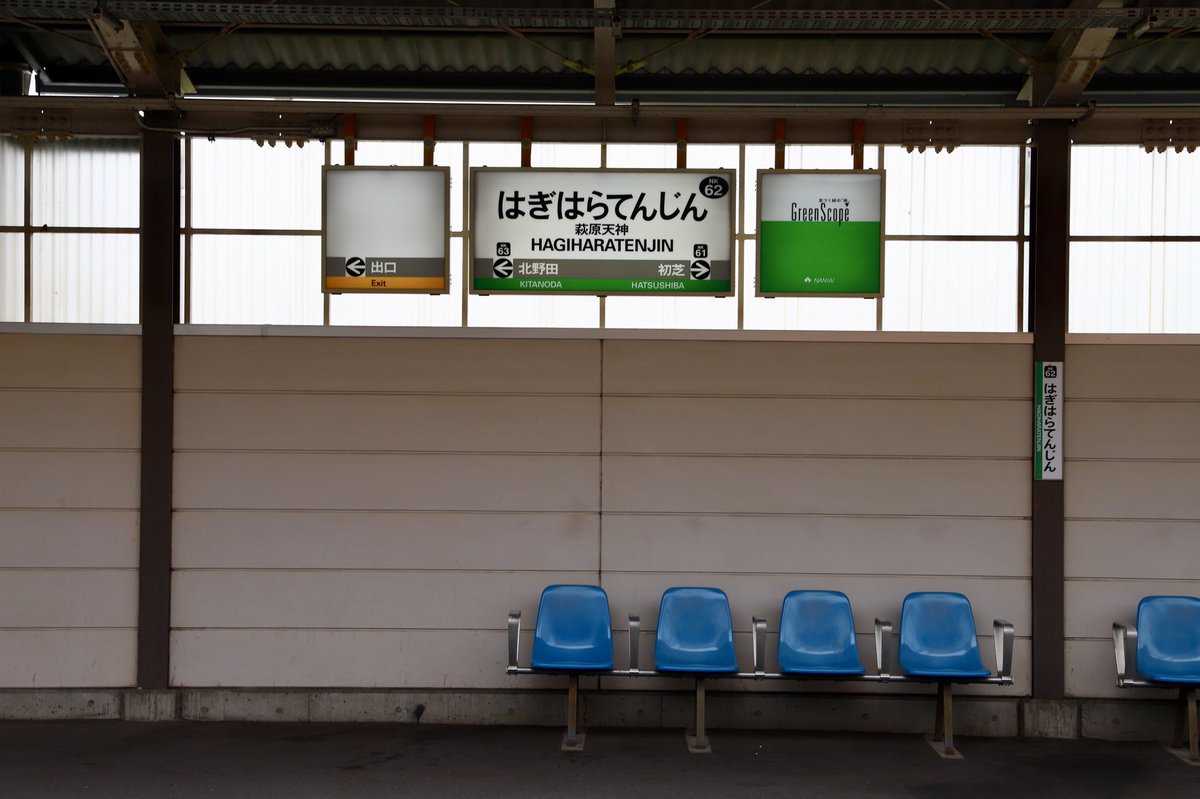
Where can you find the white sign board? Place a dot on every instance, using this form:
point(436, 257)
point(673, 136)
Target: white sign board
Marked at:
point(1048, 451)
point(589, 231)
point(386, 230)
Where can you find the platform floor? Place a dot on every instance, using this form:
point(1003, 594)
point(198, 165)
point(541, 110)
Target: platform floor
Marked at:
point(193, 759)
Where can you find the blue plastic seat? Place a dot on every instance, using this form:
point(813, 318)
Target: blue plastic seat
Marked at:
point(574, 629)
point(1168, 641)
point(816, 634)
point(695, 632)
point(937, 637)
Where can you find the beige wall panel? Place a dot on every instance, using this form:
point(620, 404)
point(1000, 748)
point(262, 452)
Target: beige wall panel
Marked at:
point(68, 598)
point(454, 659)
point(358, 599)
point(69, 479)
point(740, 368)
point(387, 422)
point(1125, 371)
point(1132, 490)
point(500, 366)
point(816, 544)
point(871, 596)
point(71, 419)
point(1133, 549)
point(66, 539)
point(1150, 430)
point(53, 361)
point(386, 540)
point(810, 426)
point(68, 658)
point(386, 481)
point(897, 486)
point(1091, 672)
point(1091, 606)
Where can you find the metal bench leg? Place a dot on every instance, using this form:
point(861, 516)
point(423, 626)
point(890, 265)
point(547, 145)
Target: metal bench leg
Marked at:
point(698, 743)
point(943, 722)
point(1186, 716)
point(573, 739)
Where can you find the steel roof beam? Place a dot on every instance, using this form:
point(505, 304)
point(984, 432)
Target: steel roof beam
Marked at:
point(141, 55)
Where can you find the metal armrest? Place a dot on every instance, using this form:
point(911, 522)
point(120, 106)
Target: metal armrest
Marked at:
point(514, 640)
point(635, 629)
point(883, 636)
point(1002, 635)
point(758, 638)
point(1121, 652)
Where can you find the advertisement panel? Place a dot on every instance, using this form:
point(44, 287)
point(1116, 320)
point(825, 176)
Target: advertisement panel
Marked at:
point(589, 231)
point(820, 233)
point(385, 230)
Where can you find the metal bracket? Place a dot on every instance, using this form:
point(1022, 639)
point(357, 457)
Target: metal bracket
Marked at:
point(1177, 134)
point(918, 135)
point(51, 126)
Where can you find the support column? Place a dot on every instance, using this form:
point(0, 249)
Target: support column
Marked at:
point(1050, 221)
point(159, 311)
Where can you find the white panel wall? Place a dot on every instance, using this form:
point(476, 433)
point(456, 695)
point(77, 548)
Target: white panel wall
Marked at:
point(872, 468)
point(364, 512)
point(68, 510)
point(1132, 505)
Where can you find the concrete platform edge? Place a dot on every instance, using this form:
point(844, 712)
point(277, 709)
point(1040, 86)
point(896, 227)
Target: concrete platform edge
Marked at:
point(1139, 719)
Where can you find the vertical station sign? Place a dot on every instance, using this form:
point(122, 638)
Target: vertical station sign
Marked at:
point(1048, 449)
point(385, 230)
point(591, 231)
point(820, 233)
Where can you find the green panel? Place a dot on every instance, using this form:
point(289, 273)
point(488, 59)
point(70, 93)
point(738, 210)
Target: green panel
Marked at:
point(819, 258)
point(508, 285)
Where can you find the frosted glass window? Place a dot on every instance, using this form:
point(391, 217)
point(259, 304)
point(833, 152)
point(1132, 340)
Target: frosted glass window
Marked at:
point(495, 154)
point(551, 155)
point(971, 191)
point(820, 156)
point(642, 156)
point(712, 156)
point(1135, 287)
point(1125, 191)
point(86, 183)
point(450, 153)
point(12, 277)
point(1181, 286)
point(950, 286)
point(758, 156)
point(85, 278)
point(256, 280)
point(408, 310)
point(12, 181)
point(238, 185)
point(801, 313)
point(389, 153)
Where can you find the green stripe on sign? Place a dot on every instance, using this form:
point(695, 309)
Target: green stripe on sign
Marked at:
point(819, 258)
point(550, 285)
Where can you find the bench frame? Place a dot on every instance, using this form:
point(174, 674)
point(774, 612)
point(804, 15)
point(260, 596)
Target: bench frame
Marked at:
point(1125, 653)
point(943, 725)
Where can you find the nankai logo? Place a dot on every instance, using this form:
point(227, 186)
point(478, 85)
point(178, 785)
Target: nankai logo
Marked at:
point(827, 209)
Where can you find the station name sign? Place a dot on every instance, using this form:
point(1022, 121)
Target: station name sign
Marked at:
point(820, 233)
point(385, 230)
point(590, 231)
